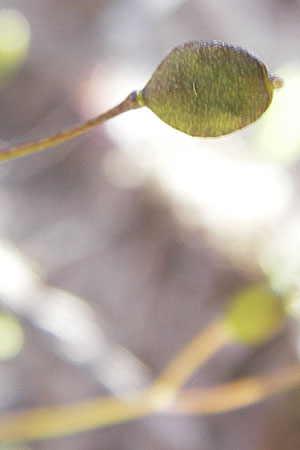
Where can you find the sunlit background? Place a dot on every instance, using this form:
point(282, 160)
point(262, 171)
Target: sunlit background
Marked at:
point(118, 247)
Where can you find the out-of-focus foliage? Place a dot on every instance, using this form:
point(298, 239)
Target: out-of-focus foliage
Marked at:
point(255, 314)
point(11, 336)
point(14, 42)
point(278, 136)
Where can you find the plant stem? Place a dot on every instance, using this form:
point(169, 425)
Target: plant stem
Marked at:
point(236, 394)
point(57, 421)
point(198, 350)
point(45, 423)
point(130, 102)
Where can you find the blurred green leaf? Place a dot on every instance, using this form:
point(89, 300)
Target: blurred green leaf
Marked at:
point(278, 136)
point(11, 337)
point(14, 42)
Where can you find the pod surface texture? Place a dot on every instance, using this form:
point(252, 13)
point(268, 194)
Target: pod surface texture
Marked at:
point(209, 89)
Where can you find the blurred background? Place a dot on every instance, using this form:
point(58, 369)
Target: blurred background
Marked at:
point(118, 247)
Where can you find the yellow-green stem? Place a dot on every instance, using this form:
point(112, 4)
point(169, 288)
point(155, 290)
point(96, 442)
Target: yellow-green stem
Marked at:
point(28, 148)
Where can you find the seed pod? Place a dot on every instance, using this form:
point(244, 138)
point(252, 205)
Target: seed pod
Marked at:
point(209, 89)
point(255, 314)
point(204, 89)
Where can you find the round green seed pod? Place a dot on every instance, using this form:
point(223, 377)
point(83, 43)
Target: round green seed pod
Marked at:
point(209, 89)
point(255, 314)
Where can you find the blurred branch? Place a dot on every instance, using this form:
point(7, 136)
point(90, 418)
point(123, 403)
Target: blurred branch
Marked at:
point(185, 363)
point(77, 335)
point(43, 423)
point(236, 394)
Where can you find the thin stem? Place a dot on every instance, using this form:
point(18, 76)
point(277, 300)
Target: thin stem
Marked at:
point(236, 394)
point(56, 421)
point(166, 387)
point(44, 423)
point(131, 102)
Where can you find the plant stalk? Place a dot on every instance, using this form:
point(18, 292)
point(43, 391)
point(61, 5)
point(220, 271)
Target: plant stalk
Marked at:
point(130, 102)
